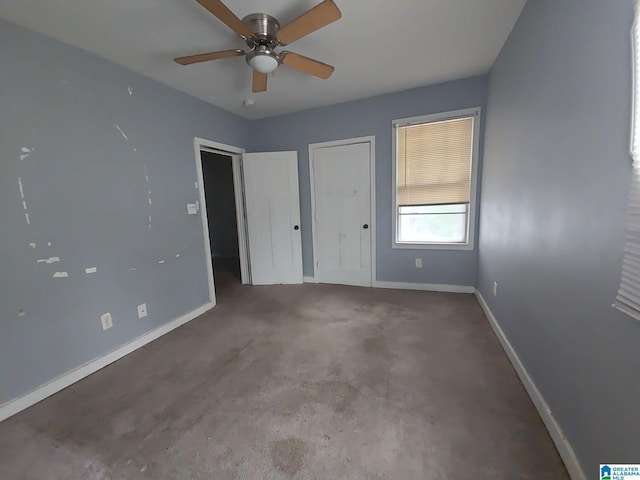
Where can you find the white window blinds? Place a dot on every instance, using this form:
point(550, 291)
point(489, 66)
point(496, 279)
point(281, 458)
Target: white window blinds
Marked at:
point(434, 162)
point(628, 298)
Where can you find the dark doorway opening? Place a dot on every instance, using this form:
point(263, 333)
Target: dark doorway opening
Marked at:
point(217, 172)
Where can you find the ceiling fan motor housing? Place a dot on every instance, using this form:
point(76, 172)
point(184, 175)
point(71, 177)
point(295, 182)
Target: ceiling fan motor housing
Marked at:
point(263, 41)
point(264, 28)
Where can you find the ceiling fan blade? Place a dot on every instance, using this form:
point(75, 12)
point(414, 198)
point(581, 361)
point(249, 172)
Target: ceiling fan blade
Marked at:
point(259, 82)
point(205, 57)
point(319, 16)
point(227, 17)
point(306, 65)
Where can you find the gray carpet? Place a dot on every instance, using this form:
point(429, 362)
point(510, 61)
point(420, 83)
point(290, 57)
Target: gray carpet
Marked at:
point(297, 382)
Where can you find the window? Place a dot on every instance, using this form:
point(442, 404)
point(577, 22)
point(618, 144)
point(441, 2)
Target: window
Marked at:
point(628, 298)
point(435, 165)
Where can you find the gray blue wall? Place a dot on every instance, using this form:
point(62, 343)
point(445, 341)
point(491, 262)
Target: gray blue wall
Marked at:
point(555, 185)
point(373, 116)
point(86, 194)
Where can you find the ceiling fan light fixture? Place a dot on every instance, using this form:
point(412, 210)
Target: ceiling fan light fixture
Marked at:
point(263, 62)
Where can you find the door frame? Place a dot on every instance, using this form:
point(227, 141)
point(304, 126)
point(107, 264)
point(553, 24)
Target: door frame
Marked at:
point(371, 140)
point(202, 144)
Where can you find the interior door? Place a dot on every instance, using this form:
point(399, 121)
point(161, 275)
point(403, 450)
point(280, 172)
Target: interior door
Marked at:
point(273, 217)
point(342, 216)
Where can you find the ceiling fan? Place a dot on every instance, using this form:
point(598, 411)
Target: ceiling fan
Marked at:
point(263, 35)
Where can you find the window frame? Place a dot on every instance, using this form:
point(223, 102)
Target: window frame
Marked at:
point(471, 221)
point(629, 287)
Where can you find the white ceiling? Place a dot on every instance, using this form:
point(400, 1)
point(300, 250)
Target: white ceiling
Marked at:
point(379, 46)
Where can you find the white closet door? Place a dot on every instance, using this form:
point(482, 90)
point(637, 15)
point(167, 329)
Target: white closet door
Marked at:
point(342, 202)
point(273, 217)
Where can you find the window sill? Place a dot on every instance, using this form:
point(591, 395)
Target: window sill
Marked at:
point(432, 246)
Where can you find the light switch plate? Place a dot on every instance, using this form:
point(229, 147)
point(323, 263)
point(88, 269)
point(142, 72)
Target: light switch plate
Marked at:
point(106, 320)
point(192, 208)
point(142, 310)
point(418, 263)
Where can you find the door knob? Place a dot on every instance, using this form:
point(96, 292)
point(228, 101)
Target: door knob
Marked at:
point(365, 226)
point(296, 227)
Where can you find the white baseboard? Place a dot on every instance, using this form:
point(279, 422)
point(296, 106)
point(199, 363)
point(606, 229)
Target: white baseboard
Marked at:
point(430, 287)
point(18, 404)
point(309, 280)
point(562, 444)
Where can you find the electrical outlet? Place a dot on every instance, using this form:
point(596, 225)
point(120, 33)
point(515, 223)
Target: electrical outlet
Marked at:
point(418, 263)
point(192, 208)
point(495, 289)
point(106, 320)
point(142, 310)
